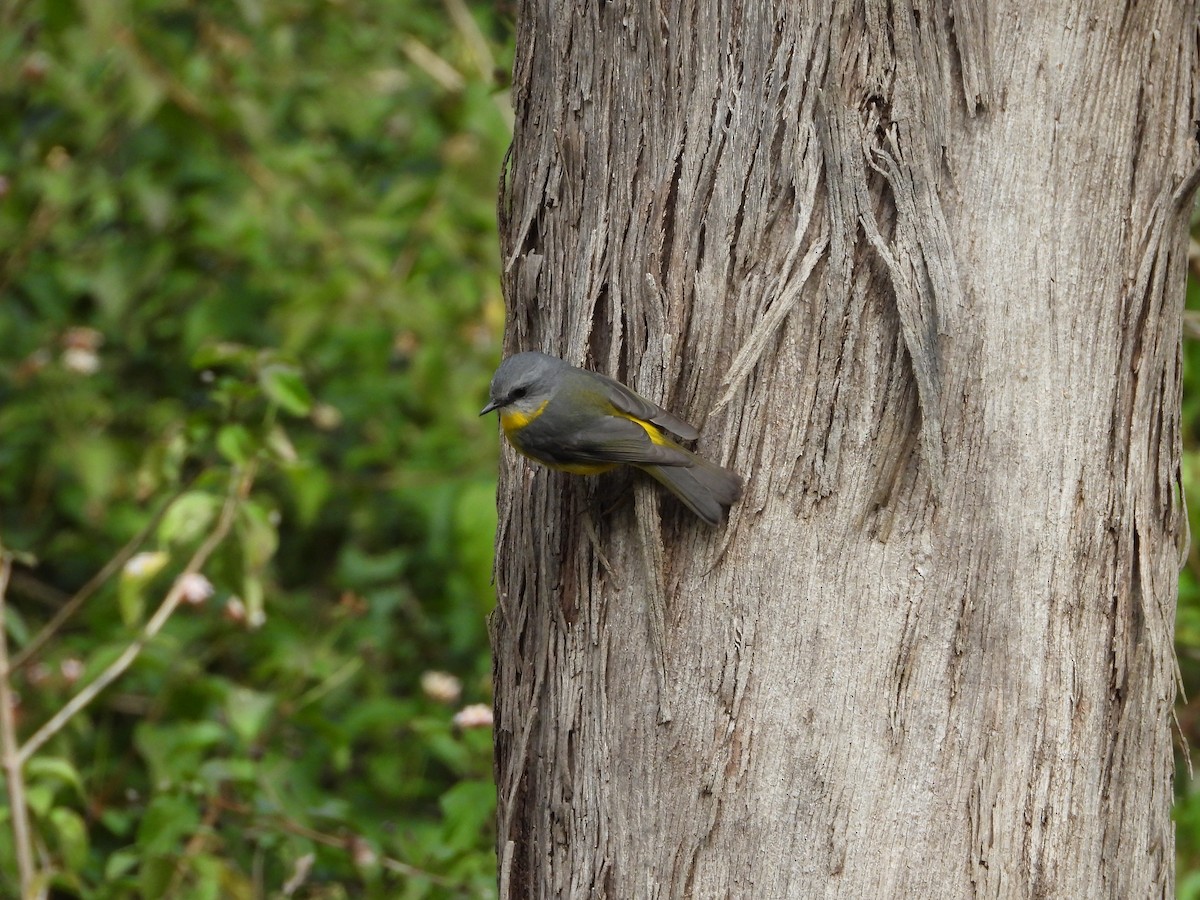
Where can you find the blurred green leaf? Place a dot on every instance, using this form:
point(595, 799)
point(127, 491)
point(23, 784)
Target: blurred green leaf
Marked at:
point(120, 863)
point(285, 387)
point(236, 444)
point(254, 597)
point(173, 752)
point(52, 768)
point(40, 799)
point(136, 578)
point(14, 624)
point(167, 822)
point(281, 446)
point(248, 712)
point(222, 353)
point(216, 772)
point(258, 535)
point(468, 807)
point(155, 875)
point(189, 518)
point(71, 837)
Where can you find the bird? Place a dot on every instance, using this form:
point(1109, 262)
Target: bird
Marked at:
point(585, 423)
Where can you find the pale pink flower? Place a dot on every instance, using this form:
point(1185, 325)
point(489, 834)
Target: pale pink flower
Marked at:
point(441, 686)
point(477, 715)
point(195, 588)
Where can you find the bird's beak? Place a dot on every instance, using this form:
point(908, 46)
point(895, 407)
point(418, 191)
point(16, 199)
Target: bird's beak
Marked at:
point(492, 404)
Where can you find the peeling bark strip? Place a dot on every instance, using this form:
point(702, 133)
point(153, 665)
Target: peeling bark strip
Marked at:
point(917, 271)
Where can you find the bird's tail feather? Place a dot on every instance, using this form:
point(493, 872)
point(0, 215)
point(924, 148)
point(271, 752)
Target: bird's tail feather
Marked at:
point(706, 488)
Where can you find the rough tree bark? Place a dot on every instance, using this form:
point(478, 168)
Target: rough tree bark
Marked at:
point(917, 271)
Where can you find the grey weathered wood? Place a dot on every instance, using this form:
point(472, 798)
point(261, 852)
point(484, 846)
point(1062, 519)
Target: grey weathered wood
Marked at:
point(917, 272)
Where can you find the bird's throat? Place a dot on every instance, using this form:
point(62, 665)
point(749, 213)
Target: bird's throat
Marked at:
point(514, 420)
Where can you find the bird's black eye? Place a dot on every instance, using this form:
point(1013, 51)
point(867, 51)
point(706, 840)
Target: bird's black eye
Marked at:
point(518, 393)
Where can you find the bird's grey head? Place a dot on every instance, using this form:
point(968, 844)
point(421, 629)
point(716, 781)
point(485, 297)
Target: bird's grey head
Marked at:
point(523, 382)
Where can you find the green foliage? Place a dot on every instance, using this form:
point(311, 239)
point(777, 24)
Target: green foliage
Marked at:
point(234, 237)
point(1187, 622)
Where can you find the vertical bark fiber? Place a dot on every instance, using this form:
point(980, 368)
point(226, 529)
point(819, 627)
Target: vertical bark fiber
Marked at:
point(917, 273)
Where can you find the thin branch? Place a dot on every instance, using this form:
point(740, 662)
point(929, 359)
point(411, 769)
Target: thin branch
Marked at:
point(8, 746)
point(339, 842)
point(25, 584)
point(68, 609)
point(194, 847)
point(481, 51)
point(238, 489)
point(447, 77)
point(344, 672)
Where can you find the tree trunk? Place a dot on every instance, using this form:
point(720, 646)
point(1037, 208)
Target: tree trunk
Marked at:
point(917, 274)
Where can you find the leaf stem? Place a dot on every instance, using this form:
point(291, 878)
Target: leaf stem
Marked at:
point(13, 762)
point(68, 609)
point(239, 487)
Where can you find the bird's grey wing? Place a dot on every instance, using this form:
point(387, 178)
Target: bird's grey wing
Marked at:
point(634, 404)
point(614, 439)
